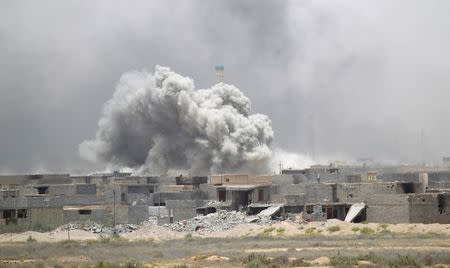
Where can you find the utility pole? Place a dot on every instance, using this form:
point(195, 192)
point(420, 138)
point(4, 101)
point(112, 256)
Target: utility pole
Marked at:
point(114, 208)
point(114, 201)
point(159, 207)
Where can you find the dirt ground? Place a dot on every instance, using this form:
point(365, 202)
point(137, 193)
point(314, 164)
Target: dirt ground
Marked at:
point(279, 229)
point(311, 250)
point(286, 244)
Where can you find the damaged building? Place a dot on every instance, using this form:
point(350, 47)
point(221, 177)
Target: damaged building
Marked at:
point(354, 194)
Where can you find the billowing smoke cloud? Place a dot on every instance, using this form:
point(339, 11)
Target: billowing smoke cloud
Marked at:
point(282, 159)
point(337, 78)
point(159, 121)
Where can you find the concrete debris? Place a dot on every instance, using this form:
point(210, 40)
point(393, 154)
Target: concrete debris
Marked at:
point(213, 203)
point(354, 211)
point(269, 212)
point(252, 219)
point(216, 222)
point(153, 220)
point(97, 228)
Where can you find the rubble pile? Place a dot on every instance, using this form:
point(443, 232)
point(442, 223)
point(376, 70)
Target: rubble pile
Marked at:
point(97, 228)
point(214, 222)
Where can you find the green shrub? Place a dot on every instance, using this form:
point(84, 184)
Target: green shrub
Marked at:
point(332, 229)
point(366, 231)
point(188, 237)
point(280, 231)
point(355, 229)
point(269, 230)
point(383, 226)
point(310, 230)
point(255, 261)
point(130, 264)
point(299, 262)
point(156, 254)
point(31, 239)
point(279, 261)
point(134, 264)
point(180, 266)
point(343, 260)
point(432, 234)
point(403, 261)
point(105, 240)
point(266, 232)
point(39, 265)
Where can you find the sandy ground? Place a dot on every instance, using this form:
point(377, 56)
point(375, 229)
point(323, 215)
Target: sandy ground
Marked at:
point(152, 232)
point(48, 237)
point(322, 228)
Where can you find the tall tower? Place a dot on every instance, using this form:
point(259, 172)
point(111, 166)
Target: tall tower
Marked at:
point(219, 73)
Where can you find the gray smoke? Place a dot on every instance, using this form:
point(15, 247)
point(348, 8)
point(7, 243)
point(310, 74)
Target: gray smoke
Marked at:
point(155, 122)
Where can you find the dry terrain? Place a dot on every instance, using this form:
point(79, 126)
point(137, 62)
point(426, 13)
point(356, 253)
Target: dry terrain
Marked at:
point(283, 244)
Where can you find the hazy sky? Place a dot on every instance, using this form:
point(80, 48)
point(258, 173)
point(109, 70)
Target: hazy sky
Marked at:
point(339, 79)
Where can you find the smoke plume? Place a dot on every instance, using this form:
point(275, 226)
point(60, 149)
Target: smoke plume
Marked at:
point(155, 122)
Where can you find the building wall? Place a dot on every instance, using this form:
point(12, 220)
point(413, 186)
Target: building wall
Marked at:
point(318, 193)
point(183, 209)
point(86, 189)
point(97, 215)
point(61, 190)
point(47, 218)
point(138, 214)
point(209, 191)
point(358, 192)
point(426, 208)
point(295, 200)
point(87, 200)
point(165, 196)
point(387, 208)
point(121, 214)
point(255, 195)
point(236, 179)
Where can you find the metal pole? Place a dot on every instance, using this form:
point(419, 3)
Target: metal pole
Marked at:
point(114, 201)
point(114, 208)
point(159, 205)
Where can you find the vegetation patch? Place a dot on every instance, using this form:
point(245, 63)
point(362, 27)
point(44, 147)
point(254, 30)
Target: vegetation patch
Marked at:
point(280, 231)
point(188, 237)
point(260, 261)
point(310, 231)
point(366, 230)
point(255, 261)
point(334, 228)
point(180, 266)
point(269, 230)
point(299, 262)
point(101, 264)
point(343, 260)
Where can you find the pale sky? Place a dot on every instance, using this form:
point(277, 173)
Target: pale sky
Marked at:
point(337, 78)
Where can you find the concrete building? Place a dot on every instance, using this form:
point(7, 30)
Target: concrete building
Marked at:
point(46, 201)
